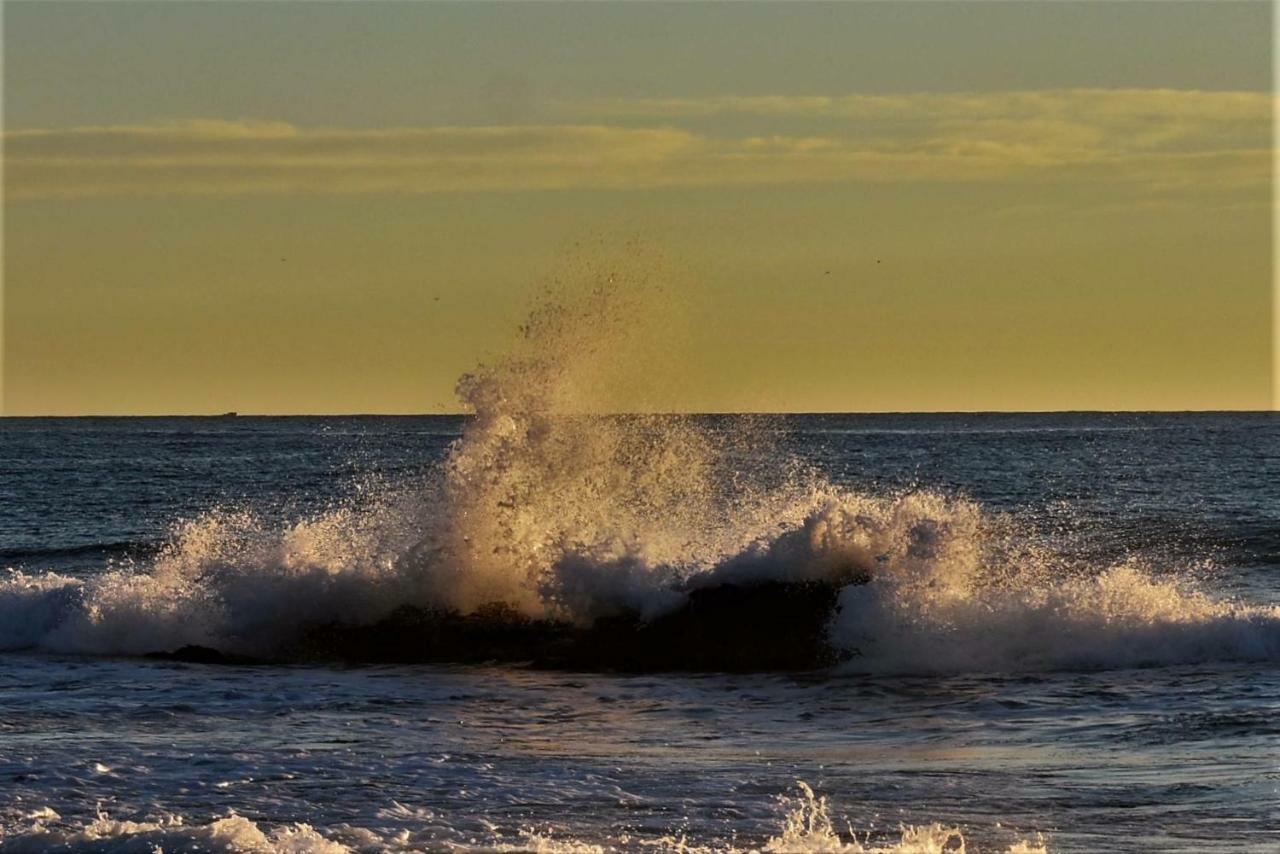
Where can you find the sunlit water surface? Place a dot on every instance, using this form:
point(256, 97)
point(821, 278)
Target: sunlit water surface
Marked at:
point(1162, 734)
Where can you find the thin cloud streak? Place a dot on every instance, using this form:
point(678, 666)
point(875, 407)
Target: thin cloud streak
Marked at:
point(1160, 140)
point(1136, 104)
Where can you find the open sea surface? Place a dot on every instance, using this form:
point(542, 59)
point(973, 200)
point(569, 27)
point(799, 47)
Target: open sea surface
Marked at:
point(1070, 639)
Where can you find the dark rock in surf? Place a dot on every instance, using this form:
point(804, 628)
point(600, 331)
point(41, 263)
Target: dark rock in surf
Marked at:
point(770, 626)
point(415, 635)
point(194, 654)
point(729, 628)
point(767, 626)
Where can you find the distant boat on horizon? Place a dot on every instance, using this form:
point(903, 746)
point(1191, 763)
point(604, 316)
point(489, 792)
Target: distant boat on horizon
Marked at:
point(227, 415)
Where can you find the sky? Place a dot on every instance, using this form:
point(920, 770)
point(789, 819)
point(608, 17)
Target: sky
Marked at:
point(313, 207)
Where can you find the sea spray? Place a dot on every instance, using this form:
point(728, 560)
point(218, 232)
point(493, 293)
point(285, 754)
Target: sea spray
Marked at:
point(549, 479)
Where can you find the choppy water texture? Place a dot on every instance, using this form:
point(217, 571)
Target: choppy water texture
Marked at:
point(1117, 691)
point(1054, 631)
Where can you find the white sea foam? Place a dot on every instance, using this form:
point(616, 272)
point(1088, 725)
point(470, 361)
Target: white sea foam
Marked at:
point(169, 833)
point(559, 513)
point(807, 826)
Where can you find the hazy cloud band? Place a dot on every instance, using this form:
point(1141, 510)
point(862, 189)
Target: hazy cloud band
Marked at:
point(1156, 139)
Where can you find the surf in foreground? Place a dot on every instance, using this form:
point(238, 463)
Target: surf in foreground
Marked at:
point(806, 827)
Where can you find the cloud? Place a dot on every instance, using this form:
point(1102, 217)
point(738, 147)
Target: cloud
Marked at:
point(934, 106)
point(1159, 139)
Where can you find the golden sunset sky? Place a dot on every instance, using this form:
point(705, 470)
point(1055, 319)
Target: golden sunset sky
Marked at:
point(340, 207)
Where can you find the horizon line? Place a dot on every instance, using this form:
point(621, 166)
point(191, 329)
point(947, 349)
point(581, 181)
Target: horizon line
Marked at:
point(668, 413)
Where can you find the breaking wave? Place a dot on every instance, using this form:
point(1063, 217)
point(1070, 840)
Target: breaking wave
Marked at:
point(806, 827)
point(552, 513)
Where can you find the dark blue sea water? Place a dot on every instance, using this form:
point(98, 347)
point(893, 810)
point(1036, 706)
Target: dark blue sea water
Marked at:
point(1071, 638)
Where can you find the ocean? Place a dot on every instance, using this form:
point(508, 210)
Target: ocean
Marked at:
point(1051, 632)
